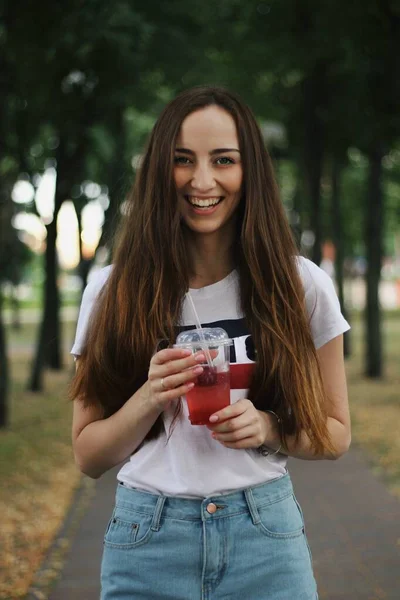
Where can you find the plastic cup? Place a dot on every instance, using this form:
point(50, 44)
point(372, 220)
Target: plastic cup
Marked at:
point(212, 388)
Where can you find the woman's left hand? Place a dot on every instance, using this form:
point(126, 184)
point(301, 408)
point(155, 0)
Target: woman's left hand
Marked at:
point(241, 425)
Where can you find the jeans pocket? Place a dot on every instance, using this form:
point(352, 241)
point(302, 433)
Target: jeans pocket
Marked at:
point(127, 529)
point(281, 519)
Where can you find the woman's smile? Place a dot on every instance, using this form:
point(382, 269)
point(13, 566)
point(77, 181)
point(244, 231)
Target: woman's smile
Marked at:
point(204, 206)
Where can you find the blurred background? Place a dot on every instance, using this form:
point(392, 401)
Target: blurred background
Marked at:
point(81, 84)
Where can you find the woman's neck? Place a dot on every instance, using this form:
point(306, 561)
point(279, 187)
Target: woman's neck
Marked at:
point(211, 257)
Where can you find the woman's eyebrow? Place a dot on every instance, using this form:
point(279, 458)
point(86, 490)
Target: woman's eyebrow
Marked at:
point(184, 151)
point(212, 152)
point(221, 150)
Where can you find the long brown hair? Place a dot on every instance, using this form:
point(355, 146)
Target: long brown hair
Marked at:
point(142, 299)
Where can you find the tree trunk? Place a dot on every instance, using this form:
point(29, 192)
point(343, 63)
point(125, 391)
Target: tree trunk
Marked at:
point(84, 263)
point(300, 213)
point(35, 383)
point(48, 350)
point(52, 296)
point(7, 239)
point(117, 183)
point(15, 307)
point(5, 226)
point(4, 371)
point(49, 331)
point(314, 146)
point(337, 224)
point(374, 245)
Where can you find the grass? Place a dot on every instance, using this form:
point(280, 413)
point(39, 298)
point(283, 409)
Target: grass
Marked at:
point(37, 303)
point(38, 476)
point(375, 404)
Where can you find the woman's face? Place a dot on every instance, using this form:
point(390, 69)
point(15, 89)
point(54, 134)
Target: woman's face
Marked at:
point(208, 170)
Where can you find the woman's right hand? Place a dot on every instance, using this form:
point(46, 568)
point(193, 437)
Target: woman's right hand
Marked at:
point(171, 374)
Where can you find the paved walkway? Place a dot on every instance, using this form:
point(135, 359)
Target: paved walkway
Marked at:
point(353, 526)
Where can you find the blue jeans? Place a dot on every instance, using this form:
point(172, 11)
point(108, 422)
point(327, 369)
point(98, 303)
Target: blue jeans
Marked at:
point(248, 545)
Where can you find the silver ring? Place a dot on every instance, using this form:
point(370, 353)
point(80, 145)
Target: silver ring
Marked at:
point(162, 384)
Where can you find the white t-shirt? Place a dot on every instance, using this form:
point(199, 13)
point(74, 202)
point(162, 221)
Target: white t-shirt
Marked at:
point(191, 463)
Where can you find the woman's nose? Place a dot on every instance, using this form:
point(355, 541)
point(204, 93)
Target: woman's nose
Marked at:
point(203, 178)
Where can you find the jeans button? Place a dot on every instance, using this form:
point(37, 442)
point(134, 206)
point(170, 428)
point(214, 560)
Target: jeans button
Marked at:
point(211, 508)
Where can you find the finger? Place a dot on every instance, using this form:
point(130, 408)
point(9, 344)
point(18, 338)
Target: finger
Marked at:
point(173, 381)
point(158, 369)
point(165, 356)
point(163, 398)
point(232, 424)
point(169, 354)
point(231, 411)
point(235, 436)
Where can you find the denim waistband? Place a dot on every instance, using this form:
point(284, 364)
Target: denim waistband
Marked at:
point(245, 500)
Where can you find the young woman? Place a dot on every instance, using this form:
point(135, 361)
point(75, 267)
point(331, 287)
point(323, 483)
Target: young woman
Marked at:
point(207, 512)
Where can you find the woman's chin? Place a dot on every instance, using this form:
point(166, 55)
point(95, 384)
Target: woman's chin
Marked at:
point(210, 226)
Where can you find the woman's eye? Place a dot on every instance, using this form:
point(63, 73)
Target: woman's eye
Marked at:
point(181, 160)
point(224, 160)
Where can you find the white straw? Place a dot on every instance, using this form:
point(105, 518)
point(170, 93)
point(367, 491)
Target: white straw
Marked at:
point(199, 327)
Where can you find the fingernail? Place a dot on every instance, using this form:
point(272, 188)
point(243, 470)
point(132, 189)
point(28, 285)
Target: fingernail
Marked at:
point(213, 419)
point(198, 370)
point(189, 386)
point(186, 352)
point(200, 358)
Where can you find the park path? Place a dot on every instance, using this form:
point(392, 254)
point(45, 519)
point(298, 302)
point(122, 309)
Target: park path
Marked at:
point(353, 526)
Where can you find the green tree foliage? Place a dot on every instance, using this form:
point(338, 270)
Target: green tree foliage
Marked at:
point(85, 81)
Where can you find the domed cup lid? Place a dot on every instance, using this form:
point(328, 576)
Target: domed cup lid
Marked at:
point(210, 336)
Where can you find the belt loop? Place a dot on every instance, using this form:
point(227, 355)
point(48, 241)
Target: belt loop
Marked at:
point(155, 523)
point(252, 506)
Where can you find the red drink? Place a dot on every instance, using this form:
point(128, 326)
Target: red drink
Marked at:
point(212, 388)
point(210, 394)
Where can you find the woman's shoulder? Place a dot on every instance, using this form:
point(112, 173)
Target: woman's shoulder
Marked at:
point(322, 303)
point(311, 275)
point(97, 280)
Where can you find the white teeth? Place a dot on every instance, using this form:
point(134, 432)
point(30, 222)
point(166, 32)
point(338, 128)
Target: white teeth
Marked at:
point(203, 203)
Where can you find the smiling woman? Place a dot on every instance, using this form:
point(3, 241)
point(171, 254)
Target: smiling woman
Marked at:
point(205, 216)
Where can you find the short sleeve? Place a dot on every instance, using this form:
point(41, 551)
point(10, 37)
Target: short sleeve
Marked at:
point(88, 304)
point(322, 303)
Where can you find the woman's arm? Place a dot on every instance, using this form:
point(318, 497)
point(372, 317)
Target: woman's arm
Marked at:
point(99, 444)
point(242, 426)
point(330, 357)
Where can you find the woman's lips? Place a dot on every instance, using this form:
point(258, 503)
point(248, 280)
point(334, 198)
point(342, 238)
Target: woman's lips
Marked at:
point(206, 210)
